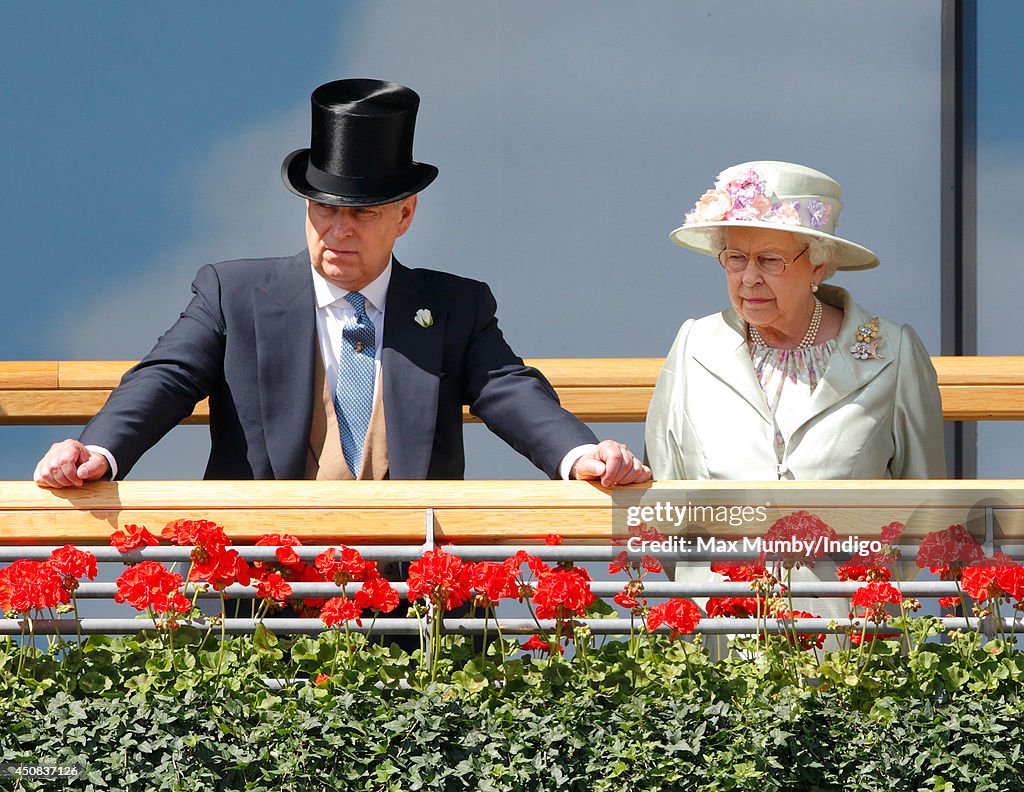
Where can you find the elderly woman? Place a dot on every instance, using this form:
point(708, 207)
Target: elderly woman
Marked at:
point(795, 380)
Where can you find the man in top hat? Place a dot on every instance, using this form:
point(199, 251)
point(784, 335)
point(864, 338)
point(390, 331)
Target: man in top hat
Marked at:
point(339, 362)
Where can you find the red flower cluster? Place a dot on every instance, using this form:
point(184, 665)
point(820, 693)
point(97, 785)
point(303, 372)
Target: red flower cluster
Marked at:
point(151, 585)
point(736, 607)
point(799, 526)
point(946, 552)
point(26, 585)
point(291, 568)
point(873, 598)
point(345, 566)
point(439, 577)
point(33, 585)
point(273, 587)
point(525, 583)
point(340, 609)
point(491, 582)
point(681, 615)
point(132, 537)
point(856, 569)
point(535, 644)
point(647, 563)
point(805, 641)
point(741, 571)
point(212, 559)
point(563, 593)
point(989, 581)
point(630, 597)
point(72, 564)
point(377, 594)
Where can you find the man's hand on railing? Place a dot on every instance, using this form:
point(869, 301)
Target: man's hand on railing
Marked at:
point(69, 464)
point(612, 463)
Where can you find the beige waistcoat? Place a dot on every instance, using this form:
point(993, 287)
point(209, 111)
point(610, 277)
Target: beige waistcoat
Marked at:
point(325, 460)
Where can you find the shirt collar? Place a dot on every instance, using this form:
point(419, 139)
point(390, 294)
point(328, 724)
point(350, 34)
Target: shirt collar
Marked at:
point(375, 292)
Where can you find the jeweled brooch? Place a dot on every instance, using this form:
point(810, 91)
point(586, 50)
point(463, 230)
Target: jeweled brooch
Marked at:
point(868, 339)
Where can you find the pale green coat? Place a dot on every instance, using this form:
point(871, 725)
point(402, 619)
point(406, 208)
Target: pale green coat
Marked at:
point(867, 419)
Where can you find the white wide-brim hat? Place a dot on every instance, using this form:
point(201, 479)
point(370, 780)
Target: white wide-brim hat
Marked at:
point(776, 195)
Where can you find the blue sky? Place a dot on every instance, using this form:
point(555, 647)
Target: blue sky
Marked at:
point(143, 142)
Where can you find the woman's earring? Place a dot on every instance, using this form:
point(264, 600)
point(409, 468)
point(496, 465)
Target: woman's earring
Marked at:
point(814, 287)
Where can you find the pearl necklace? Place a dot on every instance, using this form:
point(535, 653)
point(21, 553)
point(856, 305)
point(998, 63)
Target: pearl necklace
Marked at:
point(809, 336)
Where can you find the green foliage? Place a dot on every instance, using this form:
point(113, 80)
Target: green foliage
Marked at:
point(641, 715)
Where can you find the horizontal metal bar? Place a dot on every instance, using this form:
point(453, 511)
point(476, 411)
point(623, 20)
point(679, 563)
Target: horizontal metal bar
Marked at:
point(408, 626)
point(567, 552)
point(600, 588)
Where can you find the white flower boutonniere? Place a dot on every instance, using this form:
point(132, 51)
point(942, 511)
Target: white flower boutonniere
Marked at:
point(424, 318)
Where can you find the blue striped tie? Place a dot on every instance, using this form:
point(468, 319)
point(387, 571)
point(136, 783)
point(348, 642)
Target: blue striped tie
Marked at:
point(353, 394)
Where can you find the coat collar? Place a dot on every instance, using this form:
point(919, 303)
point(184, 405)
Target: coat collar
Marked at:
point(845, 373)
point(723, 352)
point(411, 372)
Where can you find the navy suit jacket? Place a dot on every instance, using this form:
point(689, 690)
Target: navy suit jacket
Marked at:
point(248, 340)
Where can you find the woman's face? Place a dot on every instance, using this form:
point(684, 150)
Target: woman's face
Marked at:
point(781, 304)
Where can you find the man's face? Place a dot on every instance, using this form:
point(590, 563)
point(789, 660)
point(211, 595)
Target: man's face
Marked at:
point(351, 245)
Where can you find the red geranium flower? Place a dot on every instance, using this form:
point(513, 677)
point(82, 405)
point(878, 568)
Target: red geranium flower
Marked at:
point(342, 567)
point(491, 582)
point(805, 641)
point(194, 532)
point(857, 638)
point(132, 537)
point(273, 587)
point(150, 585)
point(873, 598)
point(26, 585)
point(284, 542)
point(220, 567)
point(681, 615)
point(741, 571)
point(553, 539)
point(626, 601)
point(535, 644)
point(945, 551)
point(563, 594)
point(736, 607)
point(72, 564)
point(891, 533)
point(439, 577)
point(800, 529)
point(377, 594)
point(340, 609)
point(852, 570)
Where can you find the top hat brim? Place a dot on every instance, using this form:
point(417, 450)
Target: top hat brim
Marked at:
point(698, 236)
point(355, 191)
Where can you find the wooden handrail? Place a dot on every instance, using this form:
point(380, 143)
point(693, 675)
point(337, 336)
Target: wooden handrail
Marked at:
point(595, 389)
point(493, 512)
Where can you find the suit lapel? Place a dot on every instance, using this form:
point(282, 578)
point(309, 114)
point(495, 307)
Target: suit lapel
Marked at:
point(725, 355)
point(411, 371)
point(284, 322)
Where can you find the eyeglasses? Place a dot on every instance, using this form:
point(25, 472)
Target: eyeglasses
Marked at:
point(768, 263)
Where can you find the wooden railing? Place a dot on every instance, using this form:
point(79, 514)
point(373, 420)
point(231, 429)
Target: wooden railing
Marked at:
point(493, 512)
point(595, 389)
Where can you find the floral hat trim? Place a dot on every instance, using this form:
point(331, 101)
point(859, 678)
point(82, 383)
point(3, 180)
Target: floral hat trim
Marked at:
point(771, 195)
point(745, 197)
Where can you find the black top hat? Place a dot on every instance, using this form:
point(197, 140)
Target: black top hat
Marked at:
point(360, 150)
